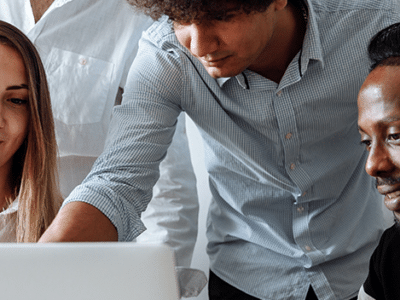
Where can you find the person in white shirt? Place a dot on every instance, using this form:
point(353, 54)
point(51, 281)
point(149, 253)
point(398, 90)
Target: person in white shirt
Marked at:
point(29, 194)
point(87, 48)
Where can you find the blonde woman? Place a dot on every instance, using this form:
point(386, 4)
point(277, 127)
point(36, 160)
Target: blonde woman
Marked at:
point(29, 194)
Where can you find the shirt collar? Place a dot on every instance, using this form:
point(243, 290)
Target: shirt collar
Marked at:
point(56, 4)
point(37, 28)
point(222, 80)
point(241, 78)
point(311, 50)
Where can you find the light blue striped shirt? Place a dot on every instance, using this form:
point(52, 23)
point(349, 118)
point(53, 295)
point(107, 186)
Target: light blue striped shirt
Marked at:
point(292, 205)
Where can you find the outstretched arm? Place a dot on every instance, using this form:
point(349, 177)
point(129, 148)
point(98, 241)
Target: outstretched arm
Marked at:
point(117, 190)
point(79, 221)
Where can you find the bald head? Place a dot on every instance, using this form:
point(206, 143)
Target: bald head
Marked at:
point(379, 127)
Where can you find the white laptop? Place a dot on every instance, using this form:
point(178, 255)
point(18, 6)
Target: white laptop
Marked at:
point(87, 271)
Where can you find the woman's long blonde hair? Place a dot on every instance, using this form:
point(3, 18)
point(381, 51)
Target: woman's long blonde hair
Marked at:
point(34, 174)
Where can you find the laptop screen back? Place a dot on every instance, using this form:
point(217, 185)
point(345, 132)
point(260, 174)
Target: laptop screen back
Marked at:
point(87, 271)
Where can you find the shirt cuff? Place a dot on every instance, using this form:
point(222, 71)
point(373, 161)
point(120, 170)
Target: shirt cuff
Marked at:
point(191, 281)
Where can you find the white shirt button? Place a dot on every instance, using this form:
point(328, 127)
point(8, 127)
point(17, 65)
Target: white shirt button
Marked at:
point(288, 136)
point(300, 209)
point(292, 166)
point(279, 93)
point(303, 194)
point(308, 248)
point(83, 61)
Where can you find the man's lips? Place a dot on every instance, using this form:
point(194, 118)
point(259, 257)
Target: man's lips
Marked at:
point(385, 189)
point(391, 193)
point(392, 201)
point(211, 61)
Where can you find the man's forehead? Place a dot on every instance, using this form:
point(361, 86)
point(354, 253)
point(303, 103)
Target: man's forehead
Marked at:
point(380, 94)
point(383, 79)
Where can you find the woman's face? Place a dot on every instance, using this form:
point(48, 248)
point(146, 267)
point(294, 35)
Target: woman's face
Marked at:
point(14, 113)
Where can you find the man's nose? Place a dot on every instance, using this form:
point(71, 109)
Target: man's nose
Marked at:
point(379, 162)
point(2, 117)
point(203, 39)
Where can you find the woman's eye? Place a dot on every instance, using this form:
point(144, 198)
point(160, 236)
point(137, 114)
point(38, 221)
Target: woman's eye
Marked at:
point(18, 101)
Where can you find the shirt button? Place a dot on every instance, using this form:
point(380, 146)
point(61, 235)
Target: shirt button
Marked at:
point(83, 61)
point(300, 209)
point(292, 166)
point(308, 248)
point(288, 136)
point(303, 194)
point(279, 93)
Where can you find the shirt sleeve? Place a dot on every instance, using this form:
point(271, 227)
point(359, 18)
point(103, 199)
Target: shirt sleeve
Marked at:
point(362, 295)
point(395, 12)
point(141, 130)
point(172, 215)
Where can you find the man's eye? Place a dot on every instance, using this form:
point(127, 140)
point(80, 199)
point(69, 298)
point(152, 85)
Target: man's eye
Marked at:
point(367, 143)
point(224, 18)
point(394, 137)
point(18, 101)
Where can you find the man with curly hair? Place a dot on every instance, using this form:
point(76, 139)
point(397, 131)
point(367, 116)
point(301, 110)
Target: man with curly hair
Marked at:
point(272, 87)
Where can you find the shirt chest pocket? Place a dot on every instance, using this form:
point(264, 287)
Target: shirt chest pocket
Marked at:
point(79, 86)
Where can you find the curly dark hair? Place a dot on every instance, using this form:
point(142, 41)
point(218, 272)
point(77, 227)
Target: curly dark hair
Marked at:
point(185, 11)
point(384, 48)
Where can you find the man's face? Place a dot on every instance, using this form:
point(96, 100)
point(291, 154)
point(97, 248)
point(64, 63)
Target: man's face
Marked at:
point(226, 48)
point(379, 126)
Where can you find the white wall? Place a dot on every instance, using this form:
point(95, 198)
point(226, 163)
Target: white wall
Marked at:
point(200, 258)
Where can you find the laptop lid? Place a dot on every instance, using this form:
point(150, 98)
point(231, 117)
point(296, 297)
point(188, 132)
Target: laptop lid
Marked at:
point(87, 271)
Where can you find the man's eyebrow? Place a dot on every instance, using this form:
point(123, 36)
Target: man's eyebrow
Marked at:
point(17, 87)
point(384, 121)
point(389, 120)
